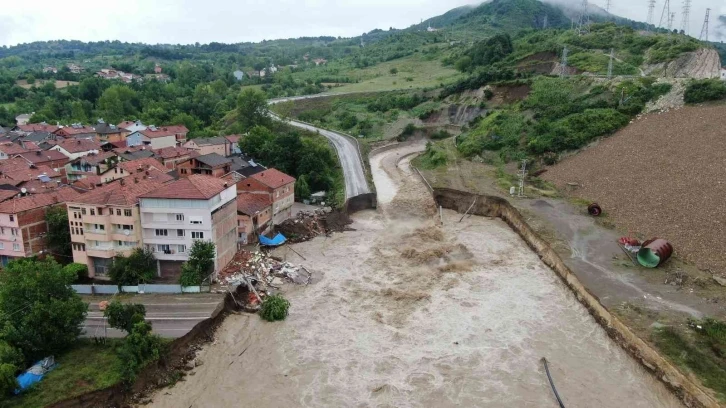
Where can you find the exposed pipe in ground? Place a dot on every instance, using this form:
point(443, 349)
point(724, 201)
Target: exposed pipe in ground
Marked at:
point(552, 384)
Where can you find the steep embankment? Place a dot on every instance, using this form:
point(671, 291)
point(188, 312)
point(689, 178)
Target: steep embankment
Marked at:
point(661, 176)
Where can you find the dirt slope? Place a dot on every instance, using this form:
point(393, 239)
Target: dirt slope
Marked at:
point(661, 176)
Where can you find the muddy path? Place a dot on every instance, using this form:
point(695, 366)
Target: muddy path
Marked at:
point(404, 312)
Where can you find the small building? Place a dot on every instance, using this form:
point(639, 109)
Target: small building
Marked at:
point(9, 149)
point(170, 156)
point(109, 133)
point(208, 164)
point(22, 223)
point(75, 148)
point(76, 131)
point(17, 171)
point(131, 125)
point(278, 186)
point(51, 158)
point(254, 216)
point(75, 68)
point(157, 68)
point(158, 137)
point(220, 145)
point(90, 165)
point(35, 127)
point(233, 144)
point(53, 70)
point(238, 75)
point(189, 209)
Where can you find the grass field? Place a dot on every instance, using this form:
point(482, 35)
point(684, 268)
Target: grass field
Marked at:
point(84, 368)
point(58, 84)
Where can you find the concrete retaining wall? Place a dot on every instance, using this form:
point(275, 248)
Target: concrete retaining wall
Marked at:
point(688, 391)
point(360, 203)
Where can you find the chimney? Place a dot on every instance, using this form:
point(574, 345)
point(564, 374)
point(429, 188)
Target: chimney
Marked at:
point(37, 153)
point(136, 180)
point(122, 182)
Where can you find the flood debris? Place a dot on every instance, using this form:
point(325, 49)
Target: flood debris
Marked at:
point(307, 225)
point(594, 209)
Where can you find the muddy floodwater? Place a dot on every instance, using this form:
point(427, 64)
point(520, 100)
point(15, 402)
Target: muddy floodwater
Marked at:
point(404, 312)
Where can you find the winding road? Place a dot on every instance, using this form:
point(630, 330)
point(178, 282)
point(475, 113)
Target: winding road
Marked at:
point(346, 148)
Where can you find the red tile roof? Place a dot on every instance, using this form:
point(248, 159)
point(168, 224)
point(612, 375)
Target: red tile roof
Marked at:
point(33, 201)
point(38, 127)
point(96, 158)
point(7, 194)
point(44, 156)
point(172, 152)
point(123, 192)
point(70, 130)
point(12, 149)
point(250, 204)
point(273, 178)
point(164, 131)
point(194, 187)
point(18, 169)
point(234, 139)
point(78, 145)
point(140, 165)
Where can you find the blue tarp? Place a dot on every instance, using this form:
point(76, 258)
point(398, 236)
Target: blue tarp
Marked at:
point(35, 373)
point(277, 241)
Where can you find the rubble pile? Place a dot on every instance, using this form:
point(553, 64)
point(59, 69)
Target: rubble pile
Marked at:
point(263, 272)
point(309, 224)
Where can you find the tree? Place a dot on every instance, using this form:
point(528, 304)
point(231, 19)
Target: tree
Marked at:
point(8, 383)
point(40, 314)
point(252, 109)
point(255, 143)
point(200, 263)
point(117, 103)
point(394, 71)
point(140, 347)
point(139, 267)
point(124, 316)
point(30, 79)
point(58, 238)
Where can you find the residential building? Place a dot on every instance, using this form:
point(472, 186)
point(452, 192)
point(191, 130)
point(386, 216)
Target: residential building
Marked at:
point(245, 166)
point(90, 165)
point(147, 167)
point(254, 216)
point(75, 148)
point(17, 171)
point(219, 145)
point(238, 75)
point(134, 153)
point(9, 149)
point(209, 164)
point(35, 127)
point(76, 131)
point(158, 137)
point(22, 222)
point(233, 144)
point(132, 126)
point(51, 158)
point(170, 156)
point(320, 61)
point(109, 133)
point(278, 186)
point(157, 69)
point(105, 222)
point(74, 68)
point(194, 208)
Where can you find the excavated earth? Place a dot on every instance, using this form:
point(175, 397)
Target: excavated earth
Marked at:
point(662, 176)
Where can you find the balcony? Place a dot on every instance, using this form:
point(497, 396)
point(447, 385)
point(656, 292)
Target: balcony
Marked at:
point(95, 219)
point(100, 252)
point(96, 235)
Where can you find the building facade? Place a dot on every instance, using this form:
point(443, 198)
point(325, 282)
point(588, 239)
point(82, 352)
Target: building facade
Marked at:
point(194, 208)
point(279, 186)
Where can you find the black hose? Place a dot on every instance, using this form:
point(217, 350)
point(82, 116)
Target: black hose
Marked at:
point(552, 384)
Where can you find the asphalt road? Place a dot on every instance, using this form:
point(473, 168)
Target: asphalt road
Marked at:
point(347, 149)
point(170, 315)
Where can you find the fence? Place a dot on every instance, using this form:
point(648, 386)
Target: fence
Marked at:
point(150, 288)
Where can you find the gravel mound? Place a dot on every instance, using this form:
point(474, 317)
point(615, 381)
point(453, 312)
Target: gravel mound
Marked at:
point(662, 176)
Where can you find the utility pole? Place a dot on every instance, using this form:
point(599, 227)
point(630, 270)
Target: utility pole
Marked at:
point(665, 14)
point(583, 23)
point(544, 24)
point(651, 8)
point(704, 30)
point(610, 63)
point(522, 175)
point(564, 63)
point(686, 16)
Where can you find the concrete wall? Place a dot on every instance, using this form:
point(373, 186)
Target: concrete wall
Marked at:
point(360, 202)
point(688, 391)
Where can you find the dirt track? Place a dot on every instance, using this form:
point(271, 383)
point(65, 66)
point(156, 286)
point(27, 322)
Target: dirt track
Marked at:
point(405, 313)
point(661, 176)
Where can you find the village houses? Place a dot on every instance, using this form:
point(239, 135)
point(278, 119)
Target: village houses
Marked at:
point(278, 186)
point(219, 145)
point(158, 137)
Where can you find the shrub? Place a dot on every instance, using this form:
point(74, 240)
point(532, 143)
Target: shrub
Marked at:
point(274, 308)
point(440, 134)
point(124, 316)
point(139, 348)
point(705, 90)
point(577, 130)
point(10, 355)
point(8, 383)
point(78, 270)
point(407, 132)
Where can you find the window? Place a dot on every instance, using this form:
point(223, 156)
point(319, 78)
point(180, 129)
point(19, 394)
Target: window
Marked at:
point(197, 235)
point(118, 211)
point(195, 220)
point(83, 211)
point(162, 232)
point(180, 217)
point(2, 230)
point(16, 247)
point(120, 243)
point(2, 246)
point(12, 217)
point(93, 211)
point(163, 248)
point(100, 211)
point(128, 227)
point(127, 213)
point(182, 248)
point(99, 227)
point(13, 231)
point(180, 233)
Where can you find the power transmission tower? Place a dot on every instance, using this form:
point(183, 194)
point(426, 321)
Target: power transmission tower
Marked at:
point(651, 8)
point(686, 16)
point(544, 24)
point(610, 63)
point(583, 23)
point(608, 3)
point(563, 72)
point(665, 15)
point(671, 18)
point(704, 30)
point(522, 175)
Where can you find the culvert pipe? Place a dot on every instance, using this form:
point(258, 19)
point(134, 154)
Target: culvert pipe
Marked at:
point(654, 252)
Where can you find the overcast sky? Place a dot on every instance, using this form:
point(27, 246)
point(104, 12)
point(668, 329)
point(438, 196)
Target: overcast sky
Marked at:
point(229, 21)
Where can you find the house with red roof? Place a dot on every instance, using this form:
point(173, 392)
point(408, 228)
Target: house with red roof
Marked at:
point(76, 131)
point(175, 215)
point(51, 158)
point(254, 217)
point(171, 156)
point(36, 127)
point(22, 222)
point(10, 149)
point(18, 171)
point(75, 148)
point(158, 137)
point(279, 186)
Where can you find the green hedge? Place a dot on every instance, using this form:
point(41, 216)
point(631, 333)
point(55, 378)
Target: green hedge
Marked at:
point(705, 90)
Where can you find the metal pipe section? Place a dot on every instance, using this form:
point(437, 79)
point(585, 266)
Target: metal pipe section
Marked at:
point(654, 252)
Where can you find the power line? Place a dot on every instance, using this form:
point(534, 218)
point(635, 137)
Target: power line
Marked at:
point(704, 30)
point(686, 16)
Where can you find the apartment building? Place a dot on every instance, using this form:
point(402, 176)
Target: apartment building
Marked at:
point(278, 186)
point(105, 222)
point(22, 223)
point(195, 208)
